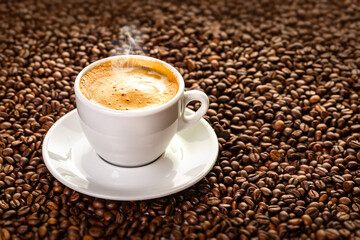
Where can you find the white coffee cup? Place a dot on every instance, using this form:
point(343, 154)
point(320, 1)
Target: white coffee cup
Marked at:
point(137, 137)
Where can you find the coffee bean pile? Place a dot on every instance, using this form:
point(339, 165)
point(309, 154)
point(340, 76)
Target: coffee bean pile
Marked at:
point(283, 82)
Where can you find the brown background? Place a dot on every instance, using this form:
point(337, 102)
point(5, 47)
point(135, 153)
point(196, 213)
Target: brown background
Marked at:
point(283, 82)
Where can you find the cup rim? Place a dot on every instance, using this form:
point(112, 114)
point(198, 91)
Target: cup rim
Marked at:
point(138, 112)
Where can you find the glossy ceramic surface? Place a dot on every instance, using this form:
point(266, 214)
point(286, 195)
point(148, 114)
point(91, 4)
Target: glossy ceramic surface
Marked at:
point(70, 158)
point(134, 138)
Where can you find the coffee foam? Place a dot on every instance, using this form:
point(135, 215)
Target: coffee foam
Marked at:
point(129, 84)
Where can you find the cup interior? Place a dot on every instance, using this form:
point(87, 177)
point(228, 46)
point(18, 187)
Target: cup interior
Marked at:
point(132, 60)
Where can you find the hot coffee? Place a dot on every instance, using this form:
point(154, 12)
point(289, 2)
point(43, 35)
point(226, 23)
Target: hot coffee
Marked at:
point(144, 107)
point(129, 85)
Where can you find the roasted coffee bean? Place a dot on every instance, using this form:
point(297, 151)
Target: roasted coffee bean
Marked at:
point(313, 194)
point(279, 125)
point(344, 200)
point(96, 232)
point(342, 216)
point(23, 210)
point(332, 233)
point(97, 204)
point(192, 219)
point(283, 216)
point(275, 155)
point(273, 209)
point(321, 234)
point(313, 212)
point(213, 201)
point(342, 208)
point(355, 207)
point(314, 99)
point(262, 219)
point(307, 220)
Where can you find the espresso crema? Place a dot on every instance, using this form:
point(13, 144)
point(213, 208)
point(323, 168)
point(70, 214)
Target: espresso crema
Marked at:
point(128, 86)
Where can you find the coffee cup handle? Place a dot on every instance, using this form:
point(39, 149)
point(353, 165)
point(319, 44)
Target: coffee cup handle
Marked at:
point(189, 96)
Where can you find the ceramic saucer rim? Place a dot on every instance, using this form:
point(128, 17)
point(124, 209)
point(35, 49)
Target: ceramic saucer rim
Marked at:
point(47, 160)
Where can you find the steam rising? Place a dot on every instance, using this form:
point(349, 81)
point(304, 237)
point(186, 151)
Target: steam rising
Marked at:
point(128, 46)
point(133, 46)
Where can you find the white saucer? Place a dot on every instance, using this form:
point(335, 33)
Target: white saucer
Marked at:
point(70, 158)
